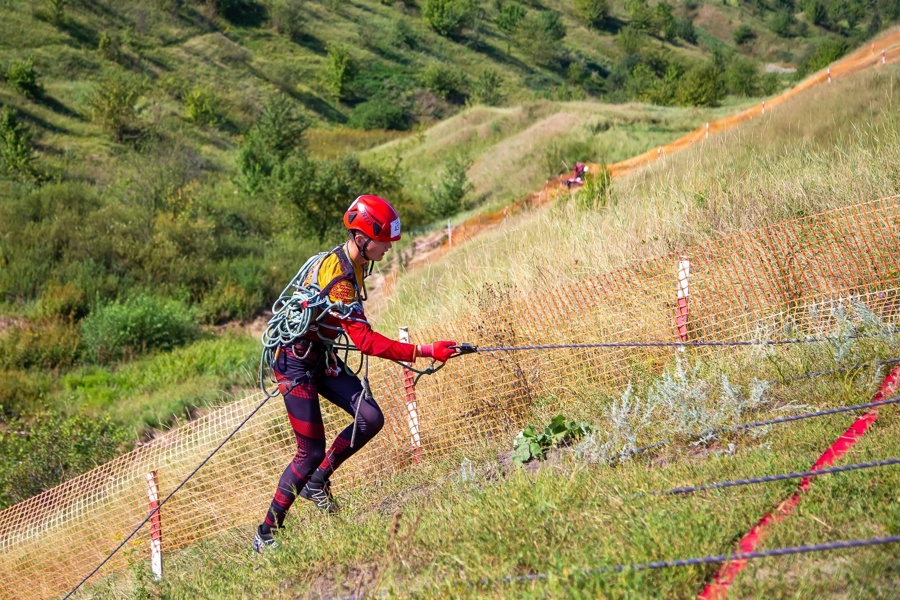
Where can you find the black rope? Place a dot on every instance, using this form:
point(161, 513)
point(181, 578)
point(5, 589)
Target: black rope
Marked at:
point(166, 499)
point(703, 560)
point(697, 343)
point(820, 413)
point(781, 477)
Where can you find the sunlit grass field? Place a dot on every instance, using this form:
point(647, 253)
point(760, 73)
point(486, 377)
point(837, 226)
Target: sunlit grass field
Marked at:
point(457, 526)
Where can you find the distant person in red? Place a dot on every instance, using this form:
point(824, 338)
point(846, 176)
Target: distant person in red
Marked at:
point(307, 367)
point(577, 175)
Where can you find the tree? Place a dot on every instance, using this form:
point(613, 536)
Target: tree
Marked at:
point(276, 135)
point(742, 34)
point(539, 36)
point(700, 86)
point(113, 102)
point(319, 190)
point(742, 77)
point(340, 70)
point(508, 19)
point(448, 17)
point(591, 12)
point(16, 154)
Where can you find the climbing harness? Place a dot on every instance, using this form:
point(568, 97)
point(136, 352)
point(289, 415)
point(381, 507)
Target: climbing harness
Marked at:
point(302, 308)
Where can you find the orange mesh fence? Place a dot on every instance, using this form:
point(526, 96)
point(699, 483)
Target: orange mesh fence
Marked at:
point(771, 283)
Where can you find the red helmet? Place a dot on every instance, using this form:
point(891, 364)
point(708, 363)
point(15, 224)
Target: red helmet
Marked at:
point(375, 217)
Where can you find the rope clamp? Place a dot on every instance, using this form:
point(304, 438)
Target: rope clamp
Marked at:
point(465, 349)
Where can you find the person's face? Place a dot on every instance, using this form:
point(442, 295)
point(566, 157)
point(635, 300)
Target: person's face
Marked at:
point(376, 250)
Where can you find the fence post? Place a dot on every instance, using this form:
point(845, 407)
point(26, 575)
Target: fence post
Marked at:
point(829, 74)
point(449, 237)
point(412, 406)
point(882, 56)
point(681, 308)
point(763, 107)
point(155, 529)
point(707, 130)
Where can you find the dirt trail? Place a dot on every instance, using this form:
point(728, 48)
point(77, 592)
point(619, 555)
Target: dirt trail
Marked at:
point(431, 247)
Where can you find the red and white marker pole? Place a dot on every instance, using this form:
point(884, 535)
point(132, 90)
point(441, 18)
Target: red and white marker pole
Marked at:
point(412, 405)
point(707, 130)
point(763, 107)
point(829, 74)
point(155, 528)
point(882, 56)
point(681, 308)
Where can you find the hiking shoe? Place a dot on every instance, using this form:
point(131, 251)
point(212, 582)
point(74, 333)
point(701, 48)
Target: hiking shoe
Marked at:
point(264, 540)
point(320, 495)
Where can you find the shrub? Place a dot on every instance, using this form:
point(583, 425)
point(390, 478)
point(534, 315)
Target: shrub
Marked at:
point(783, 24)
point(22, 76)
point(276, 135)
point(508, 18)
point(340, 70)
point(743, 34)
point(202, 105)
point(591, 12)
point(742, 77)
point(448, 194)
point(62, 301)
point(17, 159)
point(444, 80)
point(700, 86)
point(379, 113)
point(538, 35)
point(488, 87)
point(529, 444)
point(287, 17)
point(42, 344)
point(113, 100)
point(21, 392)
point(108, 46)
point(685, 29)
point(596, 191)
point(39, 454)
point(139, 324)
point(448, 17)
point(825, 52)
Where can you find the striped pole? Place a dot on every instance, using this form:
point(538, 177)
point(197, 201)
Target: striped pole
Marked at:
point(681, 308)
point(155, 528)
point(412, 405)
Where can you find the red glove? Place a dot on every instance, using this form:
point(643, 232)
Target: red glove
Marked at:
point(442, 351)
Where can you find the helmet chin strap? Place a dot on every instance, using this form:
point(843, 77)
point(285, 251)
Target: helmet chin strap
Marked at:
point(362, 250)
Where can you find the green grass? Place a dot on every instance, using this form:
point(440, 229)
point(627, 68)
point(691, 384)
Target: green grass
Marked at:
point(439, 529)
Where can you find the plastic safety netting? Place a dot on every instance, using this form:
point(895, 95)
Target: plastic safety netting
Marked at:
point(779, 282)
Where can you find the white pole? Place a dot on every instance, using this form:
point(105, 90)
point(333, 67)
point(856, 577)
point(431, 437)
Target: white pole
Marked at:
point(829, 74)
point(412, 405)
point(155, 530)
point(707, 130)
point(764, 107)
point(449, 234)
point(681, 309)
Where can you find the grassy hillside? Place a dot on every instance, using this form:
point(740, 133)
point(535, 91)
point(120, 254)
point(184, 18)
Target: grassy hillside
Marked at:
point(437, 530)
point(163, 165)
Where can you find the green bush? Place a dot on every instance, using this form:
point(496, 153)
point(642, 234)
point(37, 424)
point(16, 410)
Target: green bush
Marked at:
point(17, 158)
point(448, 194)
point(596, 191)
point(141, 323)
point(529, 445)
point(286, 17)
point(591, 12)
point(743, 34)
point(379, 113)
point(202, 105)
point(508, 18)
point(824, 53)
point(108, 46)
point(276, 135)
point(340, 70)
point(41, 453)
point(700, 86)
point(444, 80)
point(22, 392)
point(43, 344)
point(487, 88)
point(685, 29)
point(22, 76)
point(112, 103)
point(539, 34)
point(449, 17)
point(742, 77)
point(62, 301)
